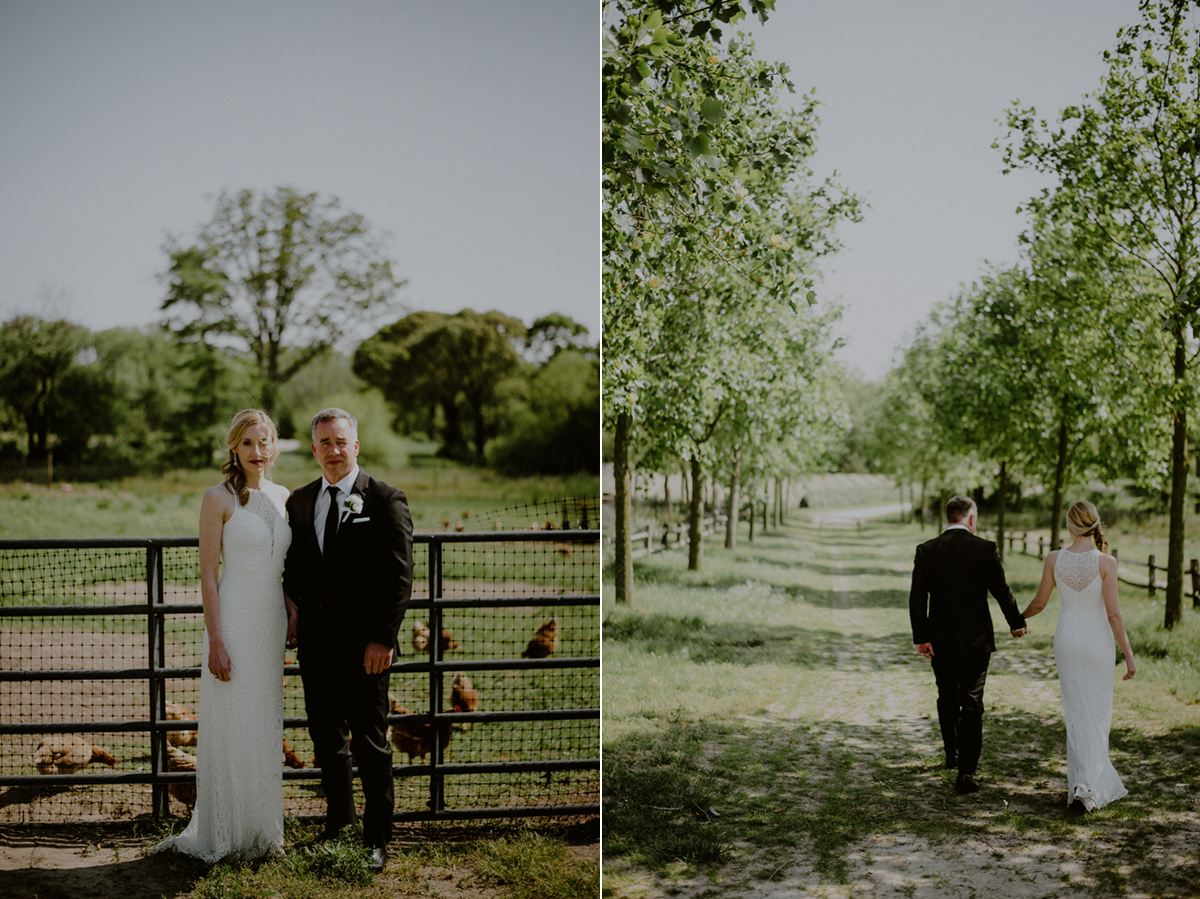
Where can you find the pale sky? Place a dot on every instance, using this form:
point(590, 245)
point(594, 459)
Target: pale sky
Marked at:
point(912, 92)
point(468, 130)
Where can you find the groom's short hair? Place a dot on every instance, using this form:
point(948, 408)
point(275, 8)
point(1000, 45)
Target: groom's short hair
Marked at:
point(959, 508)
point(333, 414)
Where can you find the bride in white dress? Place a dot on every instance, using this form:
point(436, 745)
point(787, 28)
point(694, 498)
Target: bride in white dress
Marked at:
point(239, 788)
point(1086, 578)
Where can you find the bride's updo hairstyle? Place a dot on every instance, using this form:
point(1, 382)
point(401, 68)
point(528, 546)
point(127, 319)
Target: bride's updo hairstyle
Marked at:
point(1084, 521)
point(234, 476)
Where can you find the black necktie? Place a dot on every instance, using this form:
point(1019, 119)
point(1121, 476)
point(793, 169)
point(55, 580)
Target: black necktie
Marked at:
point(331, 520)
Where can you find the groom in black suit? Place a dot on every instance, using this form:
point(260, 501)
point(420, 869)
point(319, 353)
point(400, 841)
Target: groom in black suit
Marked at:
point(349, 573)
point(952, 627)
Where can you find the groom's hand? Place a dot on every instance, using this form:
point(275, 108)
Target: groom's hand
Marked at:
point(378, 658)
point(924, 649)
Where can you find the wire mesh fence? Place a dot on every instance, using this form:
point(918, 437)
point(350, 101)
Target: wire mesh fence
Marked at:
point(494, 692)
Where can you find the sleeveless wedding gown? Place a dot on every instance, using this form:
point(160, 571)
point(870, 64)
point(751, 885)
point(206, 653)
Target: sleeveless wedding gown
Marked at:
point(1085, 653)
point(239, 784)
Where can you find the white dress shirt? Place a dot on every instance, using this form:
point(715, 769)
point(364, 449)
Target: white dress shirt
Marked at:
point(321, 509)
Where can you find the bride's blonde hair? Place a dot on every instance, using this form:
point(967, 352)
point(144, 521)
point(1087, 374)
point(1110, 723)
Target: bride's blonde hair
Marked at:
point(234, 476)
point(1084, 521)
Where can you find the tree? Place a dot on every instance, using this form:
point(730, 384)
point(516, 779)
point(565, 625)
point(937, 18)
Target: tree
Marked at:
point(553, 333)
point(34, 356)
point(695, 157)
point(282, 274)
point(451, 362)
point(1126, 161)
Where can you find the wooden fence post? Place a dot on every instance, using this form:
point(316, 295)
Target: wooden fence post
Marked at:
point(1024, 544)
point(1150, 565)
point(1195, 571)
point(1041, 547)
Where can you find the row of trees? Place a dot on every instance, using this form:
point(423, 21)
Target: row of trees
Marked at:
point(1079, 361)
point(712, 225)
point(272, 286)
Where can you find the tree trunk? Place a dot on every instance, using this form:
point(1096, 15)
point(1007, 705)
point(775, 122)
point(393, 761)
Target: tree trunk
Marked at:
point(1179, 476)
point(1060, 479)
point(667, 495)
point(623, 513)
point(695, 546)
point(1000, 514)
point(766, 502)
point(775, 505)
point(731, 521)
point(921, 517)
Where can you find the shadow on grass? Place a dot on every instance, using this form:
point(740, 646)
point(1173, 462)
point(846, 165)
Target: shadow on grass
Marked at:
point(693, 790)
point(744, 644)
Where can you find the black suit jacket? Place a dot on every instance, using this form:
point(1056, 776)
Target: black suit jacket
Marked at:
point(357, 592)
point(952, 576)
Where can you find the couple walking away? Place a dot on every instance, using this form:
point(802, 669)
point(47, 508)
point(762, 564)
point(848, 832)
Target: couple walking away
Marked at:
point(952, 627)
point(327, 570)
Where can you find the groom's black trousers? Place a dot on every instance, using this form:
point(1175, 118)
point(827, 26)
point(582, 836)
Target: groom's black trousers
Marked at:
point(343, 700)
point(960, 680)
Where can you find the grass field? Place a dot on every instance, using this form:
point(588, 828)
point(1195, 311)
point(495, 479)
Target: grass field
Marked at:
point(768, 730)
point(169, 504)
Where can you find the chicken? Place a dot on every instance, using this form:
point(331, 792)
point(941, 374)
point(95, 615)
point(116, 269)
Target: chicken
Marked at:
point(289, 756)
point(420, 637)
point(415, 740)
point(448, 641)
point(177, 711)
point(564, 549)
point(178, 760)
point(459, 526)
point(544, 642)
point(67, 754)
point(463, 696)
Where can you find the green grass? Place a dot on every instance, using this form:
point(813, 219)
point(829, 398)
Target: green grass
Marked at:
point(169, 504)
point(767, 719)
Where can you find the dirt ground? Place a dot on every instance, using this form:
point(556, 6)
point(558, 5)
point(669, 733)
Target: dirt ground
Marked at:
point(42, 862)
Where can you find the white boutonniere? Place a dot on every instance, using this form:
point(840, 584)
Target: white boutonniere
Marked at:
point(354, 503)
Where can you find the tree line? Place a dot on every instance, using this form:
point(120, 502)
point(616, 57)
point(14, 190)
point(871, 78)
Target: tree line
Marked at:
point(269, 291)
point(1078, 361)
point(717, 355)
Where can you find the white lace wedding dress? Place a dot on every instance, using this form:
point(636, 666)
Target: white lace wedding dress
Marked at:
point(239, 749)
point(1085, 653)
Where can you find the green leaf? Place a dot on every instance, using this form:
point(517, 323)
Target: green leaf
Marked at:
point(712, 110)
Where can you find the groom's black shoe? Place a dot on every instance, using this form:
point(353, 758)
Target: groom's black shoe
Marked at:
point(966, 784)
point(951, 762)
point(377, 858)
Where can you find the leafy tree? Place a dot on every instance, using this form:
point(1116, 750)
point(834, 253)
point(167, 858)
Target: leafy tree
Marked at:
point(551, 422)
point(35, 354)
point(553, 333)
point(1126, 162)
point(702, 179)
point(453, 363)
point(284, 275)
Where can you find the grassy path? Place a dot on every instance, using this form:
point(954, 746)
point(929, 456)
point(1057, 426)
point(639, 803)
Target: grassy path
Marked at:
point(768, 731)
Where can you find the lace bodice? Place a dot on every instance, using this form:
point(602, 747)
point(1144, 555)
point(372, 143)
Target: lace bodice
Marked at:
point(256, 537)
point(1077, 570)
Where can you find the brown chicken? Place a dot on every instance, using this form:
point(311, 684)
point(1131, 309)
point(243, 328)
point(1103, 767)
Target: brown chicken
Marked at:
point(290, 759)
point(420, 638)
point(177, 711)
point(544, 642)
point(463, 696)
point(178, 760)
point(68, 754)
point(448, 641)
point(416, 740)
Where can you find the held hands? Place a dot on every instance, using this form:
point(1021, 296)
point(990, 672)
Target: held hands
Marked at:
point(377, 659)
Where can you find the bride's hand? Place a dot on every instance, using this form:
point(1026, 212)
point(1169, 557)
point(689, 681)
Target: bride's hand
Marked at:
point(1130, 670)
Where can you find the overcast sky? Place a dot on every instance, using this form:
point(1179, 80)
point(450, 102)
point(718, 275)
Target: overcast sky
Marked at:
point(912, 92)
point(468, 130)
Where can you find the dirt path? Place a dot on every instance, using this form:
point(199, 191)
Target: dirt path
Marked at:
point(875, 704)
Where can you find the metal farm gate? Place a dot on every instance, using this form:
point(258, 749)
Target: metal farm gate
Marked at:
point(100, 644)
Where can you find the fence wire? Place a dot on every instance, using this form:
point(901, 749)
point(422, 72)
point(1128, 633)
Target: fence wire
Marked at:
point(76, 665)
